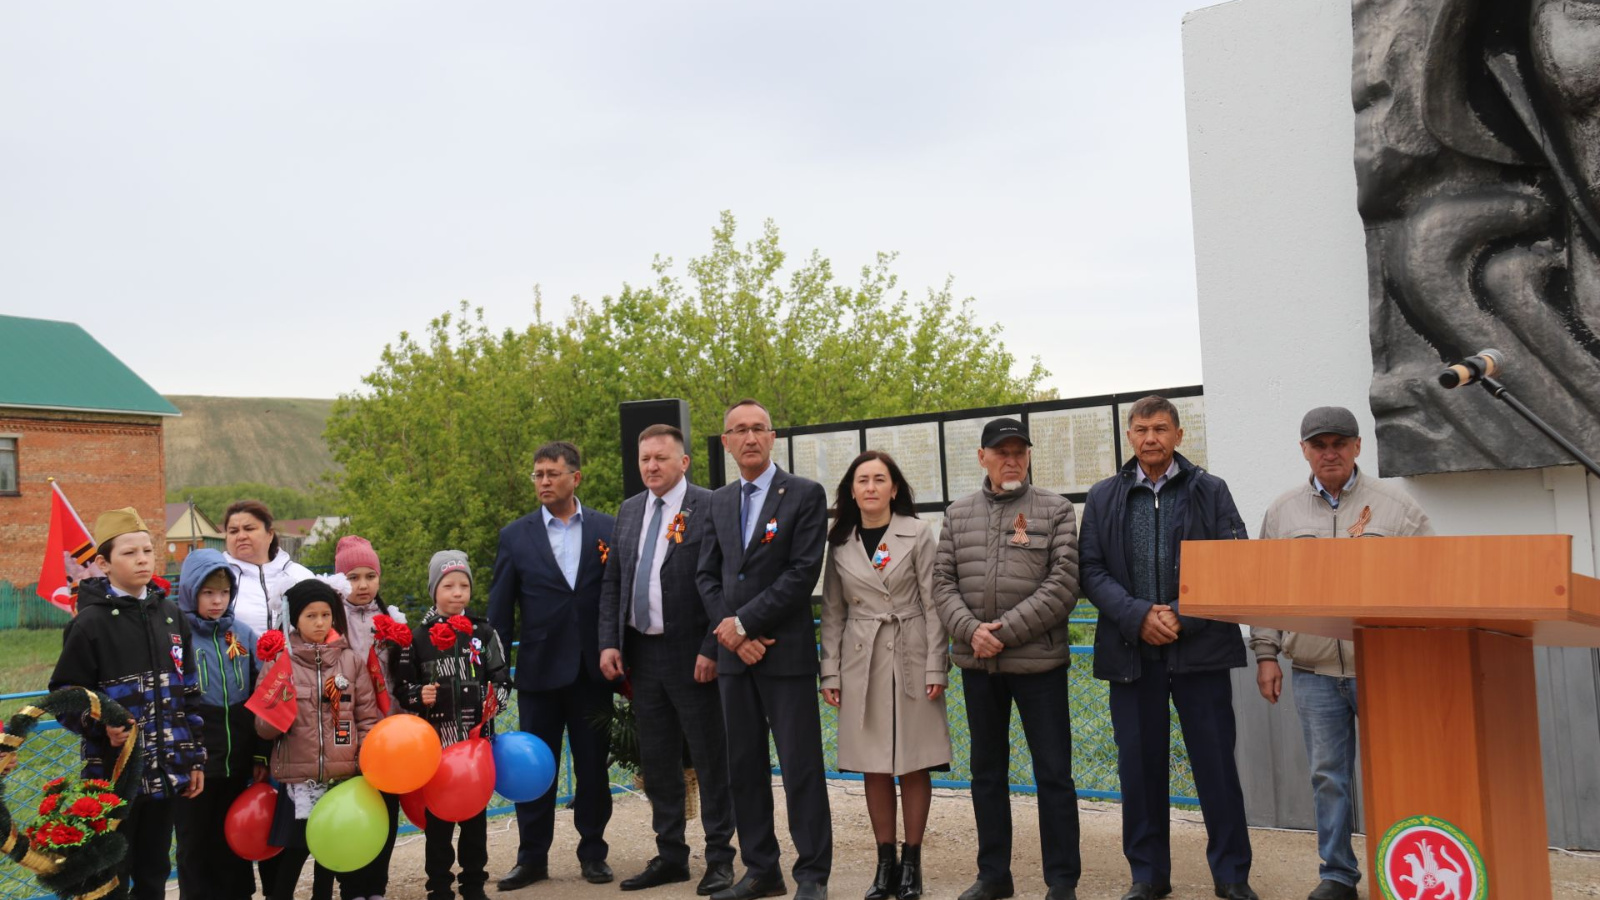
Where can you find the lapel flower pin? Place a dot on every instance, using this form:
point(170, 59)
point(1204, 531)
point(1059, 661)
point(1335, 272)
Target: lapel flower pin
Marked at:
point(676, 527)
point(772, 532)
point(881, 558)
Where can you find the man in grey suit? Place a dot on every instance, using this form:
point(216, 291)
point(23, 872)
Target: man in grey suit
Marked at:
point(651, 616)
point(759, 563)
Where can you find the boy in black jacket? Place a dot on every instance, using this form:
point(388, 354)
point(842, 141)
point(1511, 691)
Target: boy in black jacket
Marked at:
point(131, 643)
point(454, 671)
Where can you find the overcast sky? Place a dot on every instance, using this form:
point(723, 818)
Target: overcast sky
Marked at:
point(252, 199)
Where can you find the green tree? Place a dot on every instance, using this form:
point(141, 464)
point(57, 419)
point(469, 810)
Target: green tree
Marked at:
point(436, 449)
point(285, 503)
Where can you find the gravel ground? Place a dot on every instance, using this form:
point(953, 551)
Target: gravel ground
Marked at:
point(1285, 861)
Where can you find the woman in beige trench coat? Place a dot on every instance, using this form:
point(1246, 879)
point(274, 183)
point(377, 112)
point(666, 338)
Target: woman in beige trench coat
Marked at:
point(884, 659)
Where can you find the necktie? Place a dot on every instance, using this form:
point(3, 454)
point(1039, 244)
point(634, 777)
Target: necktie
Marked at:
point(745, 511)
point(647, 558)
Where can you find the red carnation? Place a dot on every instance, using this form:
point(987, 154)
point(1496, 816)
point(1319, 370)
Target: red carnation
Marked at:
point(270, 645)
point(97, 783)
point(401, 636)
point(65, 835)
point(49, 804)
point(55, 784)
point(85, 808)
point(109, 801)
point(461, 624)
point(381, 624)
point(100, 824)
point(442, 635)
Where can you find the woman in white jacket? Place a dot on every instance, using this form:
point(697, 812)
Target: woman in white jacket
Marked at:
point(265, 571)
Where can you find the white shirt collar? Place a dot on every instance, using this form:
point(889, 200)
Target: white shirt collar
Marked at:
point(577, 514)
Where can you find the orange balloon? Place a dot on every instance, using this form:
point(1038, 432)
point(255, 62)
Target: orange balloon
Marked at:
point(400, 754)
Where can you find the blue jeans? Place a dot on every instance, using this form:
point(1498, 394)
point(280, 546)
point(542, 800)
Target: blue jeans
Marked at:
point(1327, 707)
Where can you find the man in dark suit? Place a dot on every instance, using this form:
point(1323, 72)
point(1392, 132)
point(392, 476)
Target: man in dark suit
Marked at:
point(759, 562)
point(651, 616)
point(548, 572)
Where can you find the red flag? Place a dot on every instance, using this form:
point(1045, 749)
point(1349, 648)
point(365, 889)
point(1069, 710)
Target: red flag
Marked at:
point(274, 699)
point(68, 553)
point(376, 671)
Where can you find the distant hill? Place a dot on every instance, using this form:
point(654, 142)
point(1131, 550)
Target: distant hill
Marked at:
point(226, 440)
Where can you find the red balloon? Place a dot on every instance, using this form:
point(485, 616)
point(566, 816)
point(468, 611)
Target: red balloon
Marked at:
point(464, 783)
point(415, 807)
point(249, 821)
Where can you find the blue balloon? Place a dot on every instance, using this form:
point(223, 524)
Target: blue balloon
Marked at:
point(524, 767)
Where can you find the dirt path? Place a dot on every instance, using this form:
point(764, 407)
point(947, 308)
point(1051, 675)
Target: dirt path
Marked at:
point(1285, 861)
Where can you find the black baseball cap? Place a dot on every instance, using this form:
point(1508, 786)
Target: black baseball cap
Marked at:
point(1003, 429)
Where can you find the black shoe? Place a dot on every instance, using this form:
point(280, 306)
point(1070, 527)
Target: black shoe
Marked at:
point(1333, 890)
point(719, 877)
point(657, 873)
point(811, 890)
point(751, 887)
point(1062, 892)
point(595, 871)
point(520, 877)
point(910, 872)
point(988, 890)
point(1237, 890)
point(473, 893)
point(1144, 890)
point(886, 880)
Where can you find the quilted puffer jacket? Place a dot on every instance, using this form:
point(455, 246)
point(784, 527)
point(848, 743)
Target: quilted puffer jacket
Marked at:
point(324, 743)
point(985, 572)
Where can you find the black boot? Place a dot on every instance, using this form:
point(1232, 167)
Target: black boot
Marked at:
point(887, 877)
point(910, 872)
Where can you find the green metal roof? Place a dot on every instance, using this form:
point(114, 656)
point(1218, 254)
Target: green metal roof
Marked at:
point(58, 365)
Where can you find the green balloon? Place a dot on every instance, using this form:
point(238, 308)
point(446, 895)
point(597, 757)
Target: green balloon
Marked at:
point(348, 826)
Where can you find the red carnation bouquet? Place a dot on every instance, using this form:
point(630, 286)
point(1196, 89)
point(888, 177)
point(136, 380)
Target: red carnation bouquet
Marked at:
point(72, 812)
point(442, 636)
point(460, 623)
point(270, 645)
point(385, 630)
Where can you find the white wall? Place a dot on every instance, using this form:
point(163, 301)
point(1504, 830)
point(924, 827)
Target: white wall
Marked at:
point(1281, 268)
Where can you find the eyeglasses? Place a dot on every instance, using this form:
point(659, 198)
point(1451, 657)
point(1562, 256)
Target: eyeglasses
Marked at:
point(742, 430)
point(547, 476)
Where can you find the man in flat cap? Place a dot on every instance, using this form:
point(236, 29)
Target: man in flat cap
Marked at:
point(1336, 501)
point(1005, 581)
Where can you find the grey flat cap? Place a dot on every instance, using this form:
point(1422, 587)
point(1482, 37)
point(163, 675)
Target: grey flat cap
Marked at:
point(1329, 420)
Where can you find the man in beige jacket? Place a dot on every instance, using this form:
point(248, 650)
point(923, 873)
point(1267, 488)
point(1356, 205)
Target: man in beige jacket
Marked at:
point(1337, 501)
point(1005, 581)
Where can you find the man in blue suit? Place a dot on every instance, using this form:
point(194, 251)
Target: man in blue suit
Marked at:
point(548, 571)
point(759, 562)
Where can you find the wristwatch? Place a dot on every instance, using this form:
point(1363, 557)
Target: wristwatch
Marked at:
point(739, 627)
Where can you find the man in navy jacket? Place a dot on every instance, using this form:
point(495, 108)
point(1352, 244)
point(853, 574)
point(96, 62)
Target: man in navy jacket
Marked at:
point(1152, 653)
point(548, 572)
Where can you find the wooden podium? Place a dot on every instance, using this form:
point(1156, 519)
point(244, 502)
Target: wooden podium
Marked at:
point(1444, 630)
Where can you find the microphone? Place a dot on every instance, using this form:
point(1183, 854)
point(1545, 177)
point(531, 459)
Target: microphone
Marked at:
point(1487, 364)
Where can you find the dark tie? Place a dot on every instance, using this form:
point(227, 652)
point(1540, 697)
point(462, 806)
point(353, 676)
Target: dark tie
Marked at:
point(647, 557)
point(745, 512)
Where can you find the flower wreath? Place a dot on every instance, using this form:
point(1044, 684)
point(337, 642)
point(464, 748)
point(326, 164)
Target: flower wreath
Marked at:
point(73, 846)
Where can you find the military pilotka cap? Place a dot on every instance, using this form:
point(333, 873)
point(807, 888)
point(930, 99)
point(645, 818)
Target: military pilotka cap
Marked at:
point(1329, 420)
point(116, 523)
point(1003, 429)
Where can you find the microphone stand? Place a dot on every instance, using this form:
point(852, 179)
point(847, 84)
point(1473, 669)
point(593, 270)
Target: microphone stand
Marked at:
point(1499, 392)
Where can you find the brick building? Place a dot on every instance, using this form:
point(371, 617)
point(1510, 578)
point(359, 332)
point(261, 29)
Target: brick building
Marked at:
point(72, 411)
